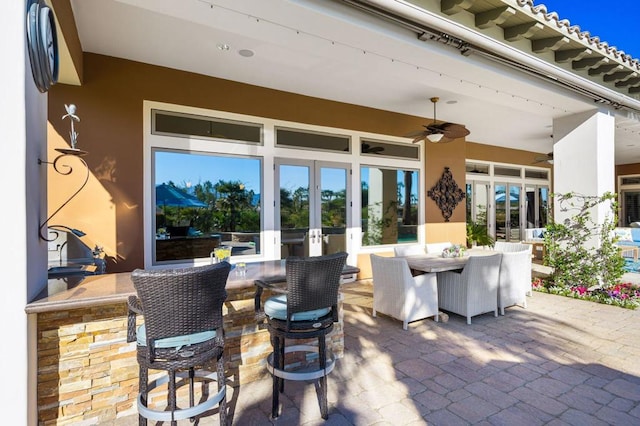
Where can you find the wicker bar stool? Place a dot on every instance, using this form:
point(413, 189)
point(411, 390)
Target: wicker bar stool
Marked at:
point(307, 309)
point(182, 334)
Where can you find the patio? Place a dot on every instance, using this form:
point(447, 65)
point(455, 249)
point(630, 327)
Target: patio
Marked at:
point(560, 361)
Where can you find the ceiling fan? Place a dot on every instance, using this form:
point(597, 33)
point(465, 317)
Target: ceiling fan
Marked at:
point(546, 158)
point(443, 132)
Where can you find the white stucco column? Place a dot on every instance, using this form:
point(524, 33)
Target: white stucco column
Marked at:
point(23, 256)
point(583, 158)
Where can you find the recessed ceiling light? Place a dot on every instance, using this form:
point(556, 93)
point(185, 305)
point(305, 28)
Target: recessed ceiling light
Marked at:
point(451, 102)
point(246, 53)
point(222, 46)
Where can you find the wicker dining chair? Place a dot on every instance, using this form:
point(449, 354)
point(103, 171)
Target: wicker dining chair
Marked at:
point(473, 291)
point(307, 309)
point(182, 333)
point(399, 294)
point(515, 278)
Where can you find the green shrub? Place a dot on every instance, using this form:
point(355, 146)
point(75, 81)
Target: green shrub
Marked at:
point(570, 248)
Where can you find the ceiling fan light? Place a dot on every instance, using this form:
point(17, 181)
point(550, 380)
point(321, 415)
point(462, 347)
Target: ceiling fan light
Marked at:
point(435, 137)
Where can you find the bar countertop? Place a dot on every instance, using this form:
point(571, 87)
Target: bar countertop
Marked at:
point(75, 292)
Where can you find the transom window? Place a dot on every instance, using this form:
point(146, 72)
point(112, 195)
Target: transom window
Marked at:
point(178, 124)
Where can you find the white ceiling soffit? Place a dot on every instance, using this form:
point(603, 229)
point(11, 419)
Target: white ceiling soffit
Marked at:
point(329, 50)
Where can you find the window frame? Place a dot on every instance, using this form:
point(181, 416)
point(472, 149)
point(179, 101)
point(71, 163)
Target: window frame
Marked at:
point(420, 203)
point(269, 152)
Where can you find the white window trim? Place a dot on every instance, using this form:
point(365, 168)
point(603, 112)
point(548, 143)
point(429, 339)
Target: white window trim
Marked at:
point(269, 152)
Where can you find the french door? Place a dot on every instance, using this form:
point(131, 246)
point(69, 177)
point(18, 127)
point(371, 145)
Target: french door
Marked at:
point(507, 212)
point(312, 207)
point(536, 206)
point(478, 203)
point(630, 206)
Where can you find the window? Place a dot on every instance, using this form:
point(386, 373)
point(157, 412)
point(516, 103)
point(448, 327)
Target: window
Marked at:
point(385, 149)
point(478, 168)
point(203, 201)
point(630, 180)
point(506, 171)
point(536, 174)
point(313, 140)
point(173, 123)
point(389, 210)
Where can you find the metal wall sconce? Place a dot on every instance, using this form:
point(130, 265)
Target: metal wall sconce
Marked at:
point(65, 169)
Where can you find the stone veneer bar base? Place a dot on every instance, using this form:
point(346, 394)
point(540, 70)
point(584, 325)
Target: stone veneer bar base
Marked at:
point(88, 373)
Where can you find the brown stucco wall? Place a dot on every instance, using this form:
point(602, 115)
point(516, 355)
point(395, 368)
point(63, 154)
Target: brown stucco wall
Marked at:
point(498, 154)
point(110, 104)
point(627, 169)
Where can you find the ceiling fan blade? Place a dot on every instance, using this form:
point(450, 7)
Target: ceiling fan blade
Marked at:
point(548, 158)
point(420, 137)
point(449, 131)
point(454, 131)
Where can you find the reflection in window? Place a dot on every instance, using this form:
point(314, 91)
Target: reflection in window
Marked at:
point(173, 123)
point(389, 206)
point(204, 201)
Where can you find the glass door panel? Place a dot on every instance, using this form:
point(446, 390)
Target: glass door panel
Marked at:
point(478, 203)
point(507, 213)
point(294, 205)
point(630, 207)
point(501, 212)
point(543, 206)
point(333, 208)
point(514, 213)
point(536, 206)
point(531, 219)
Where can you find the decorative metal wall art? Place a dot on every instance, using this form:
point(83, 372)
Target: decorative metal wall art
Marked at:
point(65, 169)
point(446, 193)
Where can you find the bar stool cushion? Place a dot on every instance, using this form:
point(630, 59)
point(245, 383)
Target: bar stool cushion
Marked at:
point(276, 307)
point(176, 341)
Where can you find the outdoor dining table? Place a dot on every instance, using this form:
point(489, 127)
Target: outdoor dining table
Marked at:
point(436, 263)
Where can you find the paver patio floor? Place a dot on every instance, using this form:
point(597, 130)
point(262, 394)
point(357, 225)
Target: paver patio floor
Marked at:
point(561, 361)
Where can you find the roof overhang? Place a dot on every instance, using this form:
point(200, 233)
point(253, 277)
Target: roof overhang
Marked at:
point(505, 82)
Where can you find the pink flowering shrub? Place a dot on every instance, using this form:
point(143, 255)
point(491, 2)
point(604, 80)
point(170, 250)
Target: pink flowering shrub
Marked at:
point(625, 295)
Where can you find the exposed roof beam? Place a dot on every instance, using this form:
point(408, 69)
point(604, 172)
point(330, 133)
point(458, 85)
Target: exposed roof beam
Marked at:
point(572, 54)
point(521, 31)
point(620, 76)
point(606, 69)
point(552, 43)
point(588, 63)
point(630, 82)
point(450, 7)
point(494, 17)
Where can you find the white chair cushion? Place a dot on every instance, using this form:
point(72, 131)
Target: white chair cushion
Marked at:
point(623, 234)
point(174, 342)
point(276, 307)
